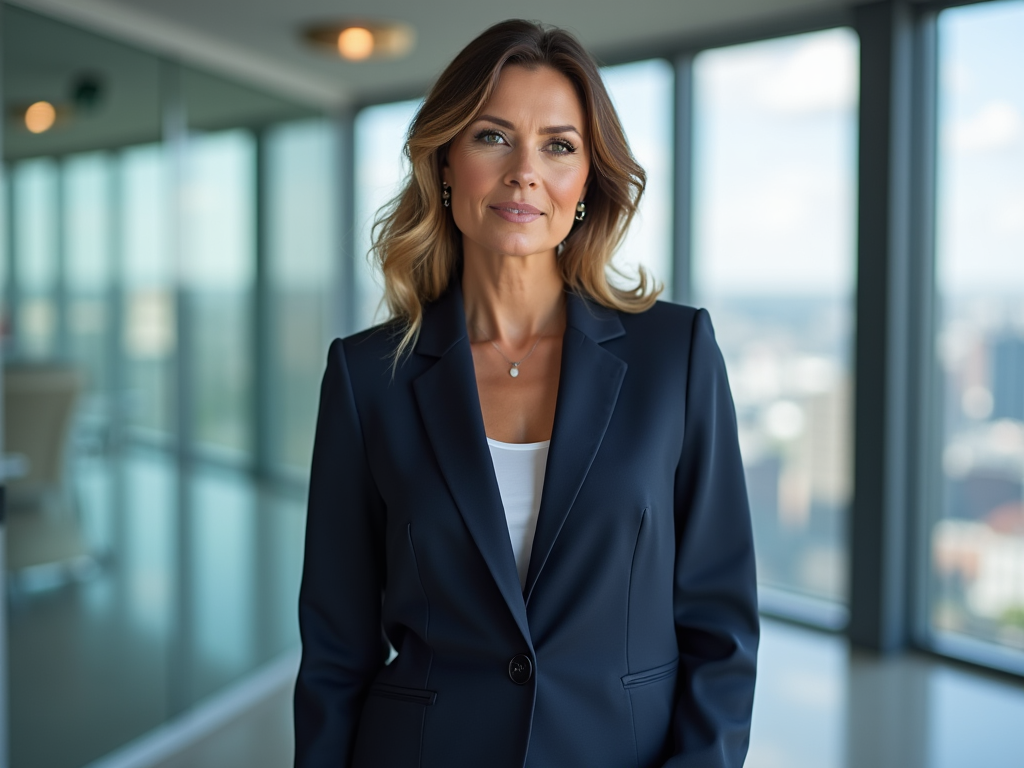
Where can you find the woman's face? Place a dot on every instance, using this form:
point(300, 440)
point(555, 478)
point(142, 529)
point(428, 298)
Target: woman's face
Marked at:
point(518, 170)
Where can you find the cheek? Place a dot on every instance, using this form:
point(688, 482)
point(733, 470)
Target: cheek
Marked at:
point(568, 189)
point(471, 175)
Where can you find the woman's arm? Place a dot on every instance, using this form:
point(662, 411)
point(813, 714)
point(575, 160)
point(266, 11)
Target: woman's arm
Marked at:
point(715, 594)
point(342, 578)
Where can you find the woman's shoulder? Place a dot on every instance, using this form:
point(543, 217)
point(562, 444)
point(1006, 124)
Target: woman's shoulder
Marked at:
point(667, 321)
point(367, 355)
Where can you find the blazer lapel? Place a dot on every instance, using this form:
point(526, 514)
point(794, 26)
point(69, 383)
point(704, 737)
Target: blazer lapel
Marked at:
point(450, 407)
point(588, 389)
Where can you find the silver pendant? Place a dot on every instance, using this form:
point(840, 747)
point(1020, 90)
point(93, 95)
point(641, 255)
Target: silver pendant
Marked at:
point(513, 371)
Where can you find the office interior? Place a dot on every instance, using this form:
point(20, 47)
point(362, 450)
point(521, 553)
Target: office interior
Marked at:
point(187, 197)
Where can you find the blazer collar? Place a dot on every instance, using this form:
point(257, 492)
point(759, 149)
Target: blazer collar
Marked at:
point(444, 323)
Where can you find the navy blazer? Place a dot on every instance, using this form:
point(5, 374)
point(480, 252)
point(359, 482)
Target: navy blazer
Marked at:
point(634, 640)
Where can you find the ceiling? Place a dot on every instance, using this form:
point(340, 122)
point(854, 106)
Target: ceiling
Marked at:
point(258, 41)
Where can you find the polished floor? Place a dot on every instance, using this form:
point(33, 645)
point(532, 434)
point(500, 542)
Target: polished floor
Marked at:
point(194, 587)
point(817, 706)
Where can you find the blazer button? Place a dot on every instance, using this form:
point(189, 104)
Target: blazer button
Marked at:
point(520, 669)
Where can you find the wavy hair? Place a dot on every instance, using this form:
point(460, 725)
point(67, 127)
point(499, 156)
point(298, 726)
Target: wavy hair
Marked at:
point(415, 240)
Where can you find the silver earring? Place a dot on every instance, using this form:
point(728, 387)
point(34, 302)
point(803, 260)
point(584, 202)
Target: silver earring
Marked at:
point(446, 195)
point(581, 210)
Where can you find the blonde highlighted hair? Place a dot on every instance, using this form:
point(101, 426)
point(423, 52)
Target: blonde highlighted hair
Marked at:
point(415, 240)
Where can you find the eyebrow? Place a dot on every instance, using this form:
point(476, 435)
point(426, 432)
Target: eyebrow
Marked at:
point(549, 129)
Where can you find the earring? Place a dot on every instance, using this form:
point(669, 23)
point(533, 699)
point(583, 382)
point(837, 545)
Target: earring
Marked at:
point(446, 195)
point(581, 210)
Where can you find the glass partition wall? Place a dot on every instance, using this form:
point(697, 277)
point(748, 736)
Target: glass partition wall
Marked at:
point(169, 238)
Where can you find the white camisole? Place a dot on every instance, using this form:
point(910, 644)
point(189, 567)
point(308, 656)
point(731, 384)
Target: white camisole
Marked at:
point(519, 469)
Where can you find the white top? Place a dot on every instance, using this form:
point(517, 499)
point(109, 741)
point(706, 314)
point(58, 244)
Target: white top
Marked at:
point(519, 469)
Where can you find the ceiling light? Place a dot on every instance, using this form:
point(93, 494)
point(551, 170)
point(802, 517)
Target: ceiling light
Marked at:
point(40, 117)
point(355, 43)
point(361, 40)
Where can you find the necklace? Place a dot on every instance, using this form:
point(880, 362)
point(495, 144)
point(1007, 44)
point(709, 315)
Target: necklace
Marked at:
point(514, 370)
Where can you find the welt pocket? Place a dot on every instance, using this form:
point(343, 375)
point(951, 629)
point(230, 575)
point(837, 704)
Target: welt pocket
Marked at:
point(648, 676)
point(400, 692)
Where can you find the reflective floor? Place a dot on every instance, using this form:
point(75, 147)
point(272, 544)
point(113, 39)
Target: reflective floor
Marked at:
point(195, 587)
point(818, 706)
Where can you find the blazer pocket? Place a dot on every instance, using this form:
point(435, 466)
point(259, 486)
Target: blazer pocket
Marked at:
point(390, 732)
point(648, 676)
point(651, 695)
point(402, 693)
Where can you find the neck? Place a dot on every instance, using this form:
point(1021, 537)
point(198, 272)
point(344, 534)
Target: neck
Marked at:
point(512, 299)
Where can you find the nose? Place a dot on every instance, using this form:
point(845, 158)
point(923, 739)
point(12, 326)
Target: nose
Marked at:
point(520, 171)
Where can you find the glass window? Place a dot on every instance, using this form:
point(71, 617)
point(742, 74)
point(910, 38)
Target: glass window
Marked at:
point(381, 169)
point(36, 212)
point(149, 335)
point(134, 579)
point(302, 200)
point(774, 262)
point(644, 99)
point(977, 533)
point(218, 255)
point(87, 219)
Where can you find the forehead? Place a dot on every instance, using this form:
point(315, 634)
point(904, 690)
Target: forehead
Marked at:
point(535, 97)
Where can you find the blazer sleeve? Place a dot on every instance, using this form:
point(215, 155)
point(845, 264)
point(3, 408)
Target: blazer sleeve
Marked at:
point(715, 592)
point(342, 580)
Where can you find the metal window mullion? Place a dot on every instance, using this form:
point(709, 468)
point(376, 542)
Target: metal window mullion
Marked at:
point(344, 314)
point(117, 389)
point(925, 417)
point(61, 290)
point(264, 325)
point(879, 519)
point(683, 182)
point(12, 291)
point(175, 138)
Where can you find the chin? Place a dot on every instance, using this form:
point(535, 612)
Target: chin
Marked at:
point(518, 247)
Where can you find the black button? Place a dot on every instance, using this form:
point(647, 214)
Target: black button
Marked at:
point(520, 669)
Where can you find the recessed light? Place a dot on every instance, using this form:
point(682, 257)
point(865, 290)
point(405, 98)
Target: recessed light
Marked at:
point(40, 117)
point(355, 43)
point(362, 40)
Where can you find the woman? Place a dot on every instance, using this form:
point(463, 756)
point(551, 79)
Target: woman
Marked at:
point(527, 484)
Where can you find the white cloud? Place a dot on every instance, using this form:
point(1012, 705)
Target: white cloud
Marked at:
point(793, 75)
point(820, 75)
point(998, 124)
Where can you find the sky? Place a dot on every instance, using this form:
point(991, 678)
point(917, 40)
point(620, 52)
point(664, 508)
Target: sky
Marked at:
point(775, 166)
point(980, 239)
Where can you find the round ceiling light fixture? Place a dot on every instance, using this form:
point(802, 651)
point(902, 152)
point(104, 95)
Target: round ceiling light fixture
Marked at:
point(40, 117)
point(362, 40)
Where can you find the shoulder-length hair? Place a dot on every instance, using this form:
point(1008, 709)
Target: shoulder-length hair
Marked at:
point(415, 240)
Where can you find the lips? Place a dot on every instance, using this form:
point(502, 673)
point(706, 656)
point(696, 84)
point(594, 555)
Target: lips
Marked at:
point(516, 212)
